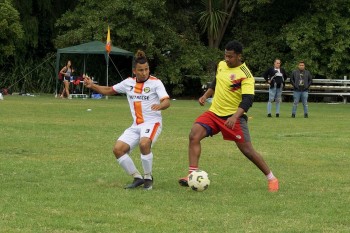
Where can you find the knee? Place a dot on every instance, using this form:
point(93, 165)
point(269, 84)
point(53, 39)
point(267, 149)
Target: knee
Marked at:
point(118, 152)
point(193, 136)
point(246, 151)
point(145, 145)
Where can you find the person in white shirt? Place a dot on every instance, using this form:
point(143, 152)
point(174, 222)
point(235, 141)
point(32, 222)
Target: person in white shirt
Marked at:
point(147, 96)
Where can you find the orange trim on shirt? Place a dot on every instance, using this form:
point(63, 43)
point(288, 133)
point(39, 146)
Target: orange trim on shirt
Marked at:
point(138, 88)
point(154, 131)
point(138, 112)
point(152, 78)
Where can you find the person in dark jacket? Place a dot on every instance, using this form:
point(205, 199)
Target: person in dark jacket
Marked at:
point(275, 76)
point(301, 80)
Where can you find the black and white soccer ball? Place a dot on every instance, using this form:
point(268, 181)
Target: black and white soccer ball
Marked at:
point(198, 180)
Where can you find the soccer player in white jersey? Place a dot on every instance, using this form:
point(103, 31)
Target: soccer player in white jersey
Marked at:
point(147, 97)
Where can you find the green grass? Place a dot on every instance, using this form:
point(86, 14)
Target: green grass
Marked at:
point(58, 174)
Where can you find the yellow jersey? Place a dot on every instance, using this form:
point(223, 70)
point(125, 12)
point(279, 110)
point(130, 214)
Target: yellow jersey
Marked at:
point(231, 83)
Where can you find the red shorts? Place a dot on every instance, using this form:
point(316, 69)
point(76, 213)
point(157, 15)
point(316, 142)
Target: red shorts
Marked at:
point(215, 124)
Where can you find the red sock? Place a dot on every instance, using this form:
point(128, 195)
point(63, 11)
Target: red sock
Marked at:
point(191, 169)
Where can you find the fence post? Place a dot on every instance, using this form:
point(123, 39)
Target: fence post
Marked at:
point(345, 97)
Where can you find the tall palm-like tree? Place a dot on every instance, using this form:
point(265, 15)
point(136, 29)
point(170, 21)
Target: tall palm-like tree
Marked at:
point(214, 19)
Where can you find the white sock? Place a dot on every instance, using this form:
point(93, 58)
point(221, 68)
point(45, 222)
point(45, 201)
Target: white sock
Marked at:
point(147, 161)
point(270, 176)
point(128, 165)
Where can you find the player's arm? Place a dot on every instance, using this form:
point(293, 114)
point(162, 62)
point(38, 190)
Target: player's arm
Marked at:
point(246, 103)
point(209, 93)
point(104, 90)
point(164, 104)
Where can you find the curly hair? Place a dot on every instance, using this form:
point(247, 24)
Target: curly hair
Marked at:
point(234, 46)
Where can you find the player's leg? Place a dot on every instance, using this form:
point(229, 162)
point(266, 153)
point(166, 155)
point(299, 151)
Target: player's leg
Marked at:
point(247, 149)
point(198, 132)
point(149, 135)
point(240, 134)
point(125, 143)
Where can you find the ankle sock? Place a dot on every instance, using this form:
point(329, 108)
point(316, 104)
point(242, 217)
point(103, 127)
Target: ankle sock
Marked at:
point(270, 176)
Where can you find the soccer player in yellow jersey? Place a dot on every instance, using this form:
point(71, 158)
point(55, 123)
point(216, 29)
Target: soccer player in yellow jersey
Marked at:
point(233, 94)
point(147, 97)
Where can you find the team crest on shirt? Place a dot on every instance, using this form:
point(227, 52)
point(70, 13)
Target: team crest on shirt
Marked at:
point(236, 82)
point(146, 89)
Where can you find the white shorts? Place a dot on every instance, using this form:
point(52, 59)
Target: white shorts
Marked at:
point(133, 134)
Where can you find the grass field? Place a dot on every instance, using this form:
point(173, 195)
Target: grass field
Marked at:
point(58, 174)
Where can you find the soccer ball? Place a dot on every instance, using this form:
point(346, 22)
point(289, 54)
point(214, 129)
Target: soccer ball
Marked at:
point(198, 180)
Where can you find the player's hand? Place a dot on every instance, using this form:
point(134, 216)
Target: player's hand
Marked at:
point(156, 107)
point(202, 100)
point(87, 81)
point(230, 122)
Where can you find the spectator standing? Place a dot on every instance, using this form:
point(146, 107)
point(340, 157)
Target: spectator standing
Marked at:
point(301, 80)
point(275, 76)
point(67, 72)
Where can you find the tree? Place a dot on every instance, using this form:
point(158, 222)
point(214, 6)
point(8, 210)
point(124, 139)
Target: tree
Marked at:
point(293, 30)
point(258, 25)
point(28, 65)
point(215, 18)
point(321, 38)
point(169, 39)
point(38, 18)
point(11, 31)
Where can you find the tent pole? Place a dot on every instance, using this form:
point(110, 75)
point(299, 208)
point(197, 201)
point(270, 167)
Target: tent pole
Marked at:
point(84, 65)
point(58, 55)
point(107, 74)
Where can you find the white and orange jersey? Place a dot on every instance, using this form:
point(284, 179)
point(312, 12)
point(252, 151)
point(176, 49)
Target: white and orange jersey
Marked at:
point(141, 96)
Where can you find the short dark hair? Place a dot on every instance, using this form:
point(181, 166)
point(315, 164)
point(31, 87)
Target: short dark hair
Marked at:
point(140, 58)
point(234, 46)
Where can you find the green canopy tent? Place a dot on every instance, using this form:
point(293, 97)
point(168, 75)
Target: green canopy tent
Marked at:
point(93, 47)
